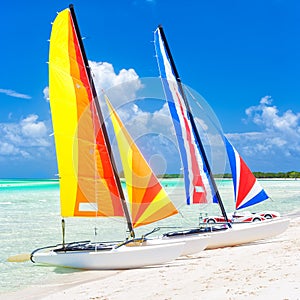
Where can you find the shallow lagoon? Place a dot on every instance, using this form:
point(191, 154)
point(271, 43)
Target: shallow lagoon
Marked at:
point(29, 219)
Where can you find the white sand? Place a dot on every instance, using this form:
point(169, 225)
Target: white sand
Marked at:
point(261, 270)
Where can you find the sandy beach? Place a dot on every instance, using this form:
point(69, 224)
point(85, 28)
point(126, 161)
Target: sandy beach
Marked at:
point(253, 271)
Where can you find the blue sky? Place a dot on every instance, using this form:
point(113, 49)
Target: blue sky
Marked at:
point(243, 57)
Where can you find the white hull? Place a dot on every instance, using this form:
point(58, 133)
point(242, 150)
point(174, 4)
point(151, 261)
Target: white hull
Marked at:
point(193, 244)
point(121, 258)
point(247, 232)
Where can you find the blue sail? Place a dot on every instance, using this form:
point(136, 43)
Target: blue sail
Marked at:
point(198, 185)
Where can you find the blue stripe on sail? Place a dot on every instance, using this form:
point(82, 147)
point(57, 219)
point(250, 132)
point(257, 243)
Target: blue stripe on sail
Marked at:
point(178, 130)
point(174, 115)
point(232, 160)
point(182, 149)
point(185, 153)
point(160, 59)
point(261, 196)
point(213, 191)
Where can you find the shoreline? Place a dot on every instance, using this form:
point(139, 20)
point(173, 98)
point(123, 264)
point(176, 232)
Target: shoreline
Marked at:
point(250, 271)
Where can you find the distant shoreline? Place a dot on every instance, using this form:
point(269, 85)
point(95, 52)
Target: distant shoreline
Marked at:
point(258, 175)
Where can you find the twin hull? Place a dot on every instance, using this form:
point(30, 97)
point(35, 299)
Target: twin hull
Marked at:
point(159, 251)
point(247, 232)
point(151, 252)
point(120, 258)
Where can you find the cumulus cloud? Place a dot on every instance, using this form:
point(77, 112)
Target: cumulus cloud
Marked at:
point(153, 133)
point(46, 93)
point(121, 87)
point(146, 128)
point(15, 94)
point(32, 128)
point(141, 122)
point(26, 139)
point(278, 137)
point(269, 117)
point(151, 129)
point(106, 77)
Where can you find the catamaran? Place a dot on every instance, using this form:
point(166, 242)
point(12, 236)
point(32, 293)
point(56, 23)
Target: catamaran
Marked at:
point(247, 190)
point(89, 183)
point(200, 185)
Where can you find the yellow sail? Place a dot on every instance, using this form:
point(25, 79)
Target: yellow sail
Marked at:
point(148, 200)
point(88, 185)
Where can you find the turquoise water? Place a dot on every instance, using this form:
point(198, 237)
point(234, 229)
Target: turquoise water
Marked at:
point(29, 219)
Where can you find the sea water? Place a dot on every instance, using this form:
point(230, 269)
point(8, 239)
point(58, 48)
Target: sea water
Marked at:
point(30, 219)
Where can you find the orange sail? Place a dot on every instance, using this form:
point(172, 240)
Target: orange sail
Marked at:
point(88, 184)
point(148, 200)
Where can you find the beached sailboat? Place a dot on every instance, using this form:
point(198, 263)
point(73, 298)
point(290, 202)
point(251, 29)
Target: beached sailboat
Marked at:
point(136, 180)
point(247, 190)
point(89, 183)
point(200, 185)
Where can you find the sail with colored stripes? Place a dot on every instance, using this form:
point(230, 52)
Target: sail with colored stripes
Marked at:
point(148, 200)
point(198, 185)
point(88, 184)
point(247, 190)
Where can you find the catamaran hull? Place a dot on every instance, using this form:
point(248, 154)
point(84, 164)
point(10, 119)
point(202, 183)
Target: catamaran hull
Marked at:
point(192, 244)
point(121, 258)
point(247, 232)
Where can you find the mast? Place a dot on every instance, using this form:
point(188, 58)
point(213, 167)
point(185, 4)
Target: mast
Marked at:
point(197, 136)
point(102, 124)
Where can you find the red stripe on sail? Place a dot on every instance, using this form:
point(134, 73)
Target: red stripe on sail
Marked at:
point(247, 180)
point(104, 167)
point(197, 180)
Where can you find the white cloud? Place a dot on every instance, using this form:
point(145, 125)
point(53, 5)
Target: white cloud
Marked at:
point(8, 149)
point(141, 122)
point(28, 138)
point(15, 94)
point(46, 93)
point(31, 128)
point(154, 135)
point(268, 117)
point(121, 87)
point(151, 130)
point(278, 138)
